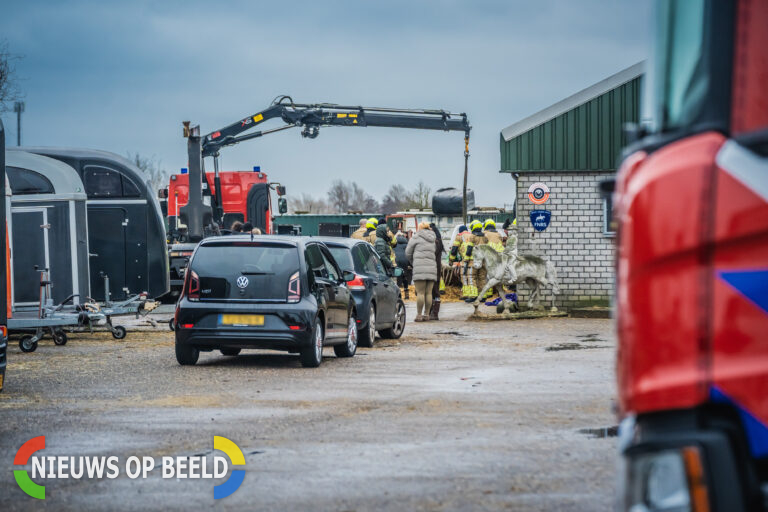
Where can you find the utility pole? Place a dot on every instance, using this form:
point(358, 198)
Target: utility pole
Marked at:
point(18, 107)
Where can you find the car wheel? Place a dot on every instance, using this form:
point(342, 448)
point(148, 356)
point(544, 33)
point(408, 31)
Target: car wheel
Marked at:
point(398, 326)
point(350, 347)
point(186, 354)
point(230, 351)
point(368, 333)
point(312, 356)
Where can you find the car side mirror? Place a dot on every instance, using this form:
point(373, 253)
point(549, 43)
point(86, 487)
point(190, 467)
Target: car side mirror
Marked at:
point(397, 272)
point(282, 205)
point(348, 276)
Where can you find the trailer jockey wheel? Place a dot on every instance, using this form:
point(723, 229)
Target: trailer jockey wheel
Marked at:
point(170, 324)
point(119, 332)
point(28, 343)
point(59, 337)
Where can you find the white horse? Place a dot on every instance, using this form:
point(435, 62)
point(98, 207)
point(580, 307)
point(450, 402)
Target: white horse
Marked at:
point(508, 268)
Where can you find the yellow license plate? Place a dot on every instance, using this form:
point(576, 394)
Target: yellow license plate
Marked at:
point(241, 319)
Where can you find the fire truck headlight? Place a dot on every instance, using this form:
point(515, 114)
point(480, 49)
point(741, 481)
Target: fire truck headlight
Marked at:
point(667, 480)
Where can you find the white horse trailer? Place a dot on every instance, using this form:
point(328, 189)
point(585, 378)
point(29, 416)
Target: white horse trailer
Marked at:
point(48, 230)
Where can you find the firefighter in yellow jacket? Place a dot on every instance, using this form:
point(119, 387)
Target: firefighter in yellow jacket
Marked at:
point(370, 230)
point(360, 232)
point(495, 240)
point(493, 236)
point(474, 277)
point(458, 256)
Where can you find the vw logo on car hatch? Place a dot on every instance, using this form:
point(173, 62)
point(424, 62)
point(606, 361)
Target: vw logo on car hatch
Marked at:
point(242, 282)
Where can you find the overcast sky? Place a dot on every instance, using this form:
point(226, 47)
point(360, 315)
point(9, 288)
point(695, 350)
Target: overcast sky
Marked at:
point(122, 77)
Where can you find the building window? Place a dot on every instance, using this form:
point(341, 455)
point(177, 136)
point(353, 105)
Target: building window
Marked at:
point(609, 226)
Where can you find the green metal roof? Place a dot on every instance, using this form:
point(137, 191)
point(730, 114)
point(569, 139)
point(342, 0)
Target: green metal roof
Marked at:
point(583, 132)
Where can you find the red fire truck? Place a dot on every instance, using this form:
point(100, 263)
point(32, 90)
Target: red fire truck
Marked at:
point(691, 200)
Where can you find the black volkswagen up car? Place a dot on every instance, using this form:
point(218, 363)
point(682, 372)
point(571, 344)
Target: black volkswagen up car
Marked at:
point(273, 292)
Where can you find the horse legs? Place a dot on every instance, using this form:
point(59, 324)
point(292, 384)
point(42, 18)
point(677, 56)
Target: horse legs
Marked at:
point(534, 284)
point(503, 304)
point(489, 283)
point(553, 309)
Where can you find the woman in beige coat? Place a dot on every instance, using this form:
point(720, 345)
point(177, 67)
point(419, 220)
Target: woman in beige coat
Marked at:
point(420, 251)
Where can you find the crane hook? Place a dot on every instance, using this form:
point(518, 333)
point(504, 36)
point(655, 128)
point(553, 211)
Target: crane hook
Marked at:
point(310, 132)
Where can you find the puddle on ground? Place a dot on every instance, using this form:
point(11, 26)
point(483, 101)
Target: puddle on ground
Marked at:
point(601, 432)
point(572, 346)
point(589, 338)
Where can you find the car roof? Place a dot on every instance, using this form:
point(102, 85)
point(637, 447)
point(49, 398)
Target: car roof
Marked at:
point(294, 240)
point(339, 241)
point(285, 239)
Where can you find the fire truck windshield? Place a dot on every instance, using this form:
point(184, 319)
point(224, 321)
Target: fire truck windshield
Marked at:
point(682, 78)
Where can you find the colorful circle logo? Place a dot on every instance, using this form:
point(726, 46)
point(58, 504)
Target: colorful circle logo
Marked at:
point(235, 455)
point(22, 477)
point(538, 193)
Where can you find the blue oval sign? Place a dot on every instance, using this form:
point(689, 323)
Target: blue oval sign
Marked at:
point(540, 219)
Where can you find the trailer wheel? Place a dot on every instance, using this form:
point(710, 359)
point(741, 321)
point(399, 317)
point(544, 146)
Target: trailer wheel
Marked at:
point(60, 337)
point(28, 343)
point(119, 332)
point(170, 324)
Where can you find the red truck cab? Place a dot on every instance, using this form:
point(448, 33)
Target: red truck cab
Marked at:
point(691, 201)
point(245, 197)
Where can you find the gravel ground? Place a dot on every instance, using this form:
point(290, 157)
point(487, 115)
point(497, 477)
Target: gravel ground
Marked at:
point(455, 415)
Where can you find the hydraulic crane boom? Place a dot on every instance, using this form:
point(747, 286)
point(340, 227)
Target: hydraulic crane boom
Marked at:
point(310, 117)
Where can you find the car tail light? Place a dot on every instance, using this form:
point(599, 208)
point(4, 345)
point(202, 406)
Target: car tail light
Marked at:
point(294, 327)
point(3, 331)
point(356, 284)
point(294, 288)
point(187, 326)
point(193, 292)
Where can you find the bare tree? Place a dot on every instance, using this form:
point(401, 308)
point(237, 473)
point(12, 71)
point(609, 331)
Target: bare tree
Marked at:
point(152, 167)
point(395, 200)
point(419, 197)
point(338, 196)
point(344, 197)
point(308, 204)
point(9, 89)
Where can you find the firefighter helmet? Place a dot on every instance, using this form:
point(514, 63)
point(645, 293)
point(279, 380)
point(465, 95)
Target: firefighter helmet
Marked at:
point(372, 223)
point(489, 223)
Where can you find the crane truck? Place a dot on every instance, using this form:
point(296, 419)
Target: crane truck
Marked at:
point(691, 200)
point(199, 200)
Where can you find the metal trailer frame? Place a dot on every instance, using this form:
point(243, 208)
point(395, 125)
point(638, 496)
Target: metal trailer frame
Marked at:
point(55, 318)
point(49, 317)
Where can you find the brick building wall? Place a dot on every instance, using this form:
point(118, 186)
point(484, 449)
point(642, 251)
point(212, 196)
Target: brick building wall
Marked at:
point(575, 240)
